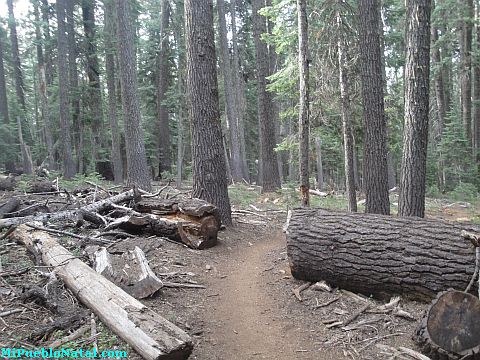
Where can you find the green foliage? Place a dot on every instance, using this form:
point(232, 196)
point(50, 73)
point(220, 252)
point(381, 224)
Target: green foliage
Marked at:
point(464, 192)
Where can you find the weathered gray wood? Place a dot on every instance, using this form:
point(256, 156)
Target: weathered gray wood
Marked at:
point(450, 328)
point(130, 271)
point(70, 214)
point(380, 255)
point(152, 336)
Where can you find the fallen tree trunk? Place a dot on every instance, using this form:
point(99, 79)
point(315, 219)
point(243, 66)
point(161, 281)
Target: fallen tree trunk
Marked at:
point(10, 206)
point(379, 255)
point(451, 326)
point(152, 336)
point(70, 214)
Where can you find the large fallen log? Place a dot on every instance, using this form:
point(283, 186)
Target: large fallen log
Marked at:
point(70, 214)
point(450, 328)
point(10, 206)
point(152, 336)
point(379, 255)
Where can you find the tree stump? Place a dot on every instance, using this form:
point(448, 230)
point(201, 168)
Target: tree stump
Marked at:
point(450, 329)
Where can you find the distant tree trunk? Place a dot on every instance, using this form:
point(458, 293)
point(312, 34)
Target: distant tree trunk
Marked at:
point(292, 158)
point(112, 103)
point(346, 121)
point(180, 139)
point(415, 137)
point(137, 168)
point(65, 139)
point(236, 159)
point(304, 111)
point(94, 94)
point(318, 149)
point(476, 95)
point(270, 174)
point(9, 164)
point(17, 65)
point(74, 92)
point(48, 42)
point(25, 149)
point(42, 86)
point(238, 92)
point(209, 165)
point(375, 176)
point(164, 144)
point(466, 69)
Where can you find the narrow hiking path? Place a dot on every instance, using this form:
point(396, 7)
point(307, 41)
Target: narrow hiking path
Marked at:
point(245, 319)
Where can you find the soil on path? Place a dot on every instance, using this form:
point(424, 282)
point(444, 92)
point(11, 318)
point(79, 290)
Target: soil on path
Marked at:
point(245, 319)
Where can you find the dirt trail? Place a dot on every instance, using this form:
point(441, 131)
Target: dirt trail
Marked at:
point(245, 322)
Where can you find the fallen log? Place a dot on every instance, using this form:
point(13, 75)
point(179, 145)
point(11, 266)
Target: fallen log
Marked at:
point(70, 214)
point(152, 336)
point(8, 183)
point(130, 271)
point(379, 255)
point(450, 328)
point(10, 206)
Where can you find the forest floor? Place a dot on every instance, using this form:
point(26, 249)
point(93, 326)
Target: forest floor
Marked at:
point(248, 309)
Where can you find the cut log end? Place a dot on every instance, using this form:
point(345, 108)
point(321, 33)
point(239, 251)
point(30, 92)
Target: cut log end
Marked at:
point(450, 328)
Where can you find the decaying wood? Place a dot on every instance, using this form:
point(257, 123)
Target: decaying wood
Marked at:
point(451, 326)
point(10, 206)
point(298, 291)
point(379, 255)
point(70, 214)
point(152, 336)
point(8, 183)
point(130, 271)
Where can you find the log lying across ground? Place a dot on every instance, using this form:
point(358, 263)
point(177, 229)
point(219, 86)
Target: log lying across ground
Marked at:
point(380, 255)
point(10, 206)
point(152, 336)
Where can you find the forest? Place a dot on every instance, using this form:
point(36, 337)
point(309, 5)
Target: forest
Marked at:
point(240, 179)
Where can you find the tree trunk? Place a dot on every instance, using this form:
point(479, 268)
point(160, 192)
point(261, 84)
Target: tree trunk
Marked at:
point(209, 165)
point(9, 163)
point(346, 121)
point(112, 103)
point(415, 136)
point(318, 148)
point(65, 139)
point(17, 65)
point(379, 255)
point(74, 92)
point(466, 68)
point(476, 95)
point(94, 93)
point(42, 89)
point(375, 174)
point(270, 175)
point(236, 160)
point(304, 111)
point(137, 168)
point(164, 145)
point(25, 150)
point(238, 93)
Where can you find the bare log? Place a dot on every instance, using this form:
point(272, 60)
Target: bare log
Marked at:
point(152, 336)
point(380, 255)
point(450, 328)
point(70, 214)
point(10, 206)
point(130, 271)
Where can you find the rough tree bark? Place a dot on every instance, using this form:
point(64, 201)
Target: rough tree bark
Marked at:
point(270, 175)
point(238, 88)
point(476, 94)
point(415, 136)
point(375, 174)
point(466, 67)
point(346, 119)
point(137, 169)
point(62, 47)
point(94, 93)
point(9, 164)
point(109, 37)
point(209, 166)
point(235, 151)
point(73, 88)
point(378, 254)
point(163, 79)
point(42, 89)
point(304, 107)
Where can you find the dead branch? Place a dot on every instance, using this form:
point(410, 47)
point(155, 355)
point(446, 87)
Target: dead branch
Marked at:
point(297, 291)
